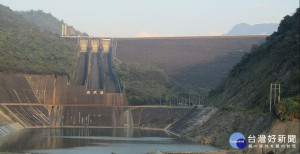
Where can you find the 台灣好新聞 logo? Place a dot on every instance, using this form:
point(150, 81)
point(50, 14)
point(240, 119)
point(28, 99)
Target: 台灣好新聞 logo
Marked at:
point(237, 141)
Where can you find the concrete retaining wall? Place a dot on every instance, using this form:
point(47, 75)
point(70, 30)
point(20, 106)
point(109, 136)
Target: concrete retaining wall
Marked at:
point(15, 89)
point(138, 117)
point(8, 129)
point(71, 94)
point(82, 116)
point(42, 86)
point(157, 117)
point(29, 116)
point(62, 104)
point(196, 117)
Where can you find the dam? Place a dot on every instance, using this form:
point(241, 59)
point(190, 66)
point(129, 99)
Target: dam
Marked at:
point(50, 114)
point(39, 101)
point(95, 99)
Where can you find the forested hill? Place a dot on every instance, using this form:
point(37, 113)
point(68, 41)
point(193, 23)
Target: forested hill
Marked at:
point(275, 61)
point(24, 48)
point(47, 21)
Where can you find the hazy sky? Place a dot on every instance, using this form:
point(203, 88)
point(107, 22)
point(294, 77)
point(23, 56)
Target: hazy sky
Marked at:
point(131, 18)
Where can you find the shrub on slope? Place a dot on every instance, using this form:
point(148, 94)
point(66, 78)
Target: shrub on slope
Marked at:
point(46, 21)
point(24, 48)
point(146, 84)
point(275, 61)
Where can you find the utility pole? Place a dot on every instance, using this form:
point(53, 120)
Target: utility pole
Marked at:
point(124, 87)
point(274, 94)
point(199, 99)
point(160, 100)
point(189, 98)
point(205, 98)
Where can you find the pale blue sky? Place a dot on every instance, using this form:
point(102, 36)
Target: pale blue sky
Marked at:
point(131, 18)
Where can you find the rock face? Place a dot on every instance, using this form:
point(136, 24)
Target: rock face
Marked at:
point(217, 130)
point(221, 125)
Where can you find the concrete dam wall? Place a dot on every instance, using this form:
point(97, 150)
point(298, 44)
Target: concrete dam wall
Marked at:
point(54, 103)
point(74, 108)
point(48, 100)
point(80, 76)
point(51, 90)
point(89, 116)
point(137, 117)
point(15, 89)
point(94, 99)
point(193, 62)
point(29, 115)
point(95, 81)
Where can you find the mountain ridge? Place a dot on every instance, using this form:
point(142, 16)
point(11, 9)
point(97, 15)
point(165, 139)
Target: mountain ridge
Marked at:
point(257, 29)
point(47, 21)
point(25, 48)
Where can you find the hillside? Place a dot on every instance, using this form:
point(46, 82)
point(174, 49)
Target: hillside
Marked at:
point(198, 63)
point(144, 83)
point(275, 61)
point(147, 84)
point(47, 21)
point(258, 29)
point(24, 48)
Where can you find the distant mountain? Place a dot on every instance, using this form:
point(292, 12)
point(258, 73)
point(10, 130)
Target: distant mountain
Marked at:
point(47, 21)
point(258, 29)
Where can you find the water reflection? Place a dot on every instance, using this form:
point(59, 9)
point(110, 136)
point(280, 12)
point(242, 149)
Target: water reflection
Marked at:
point(54, 140)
